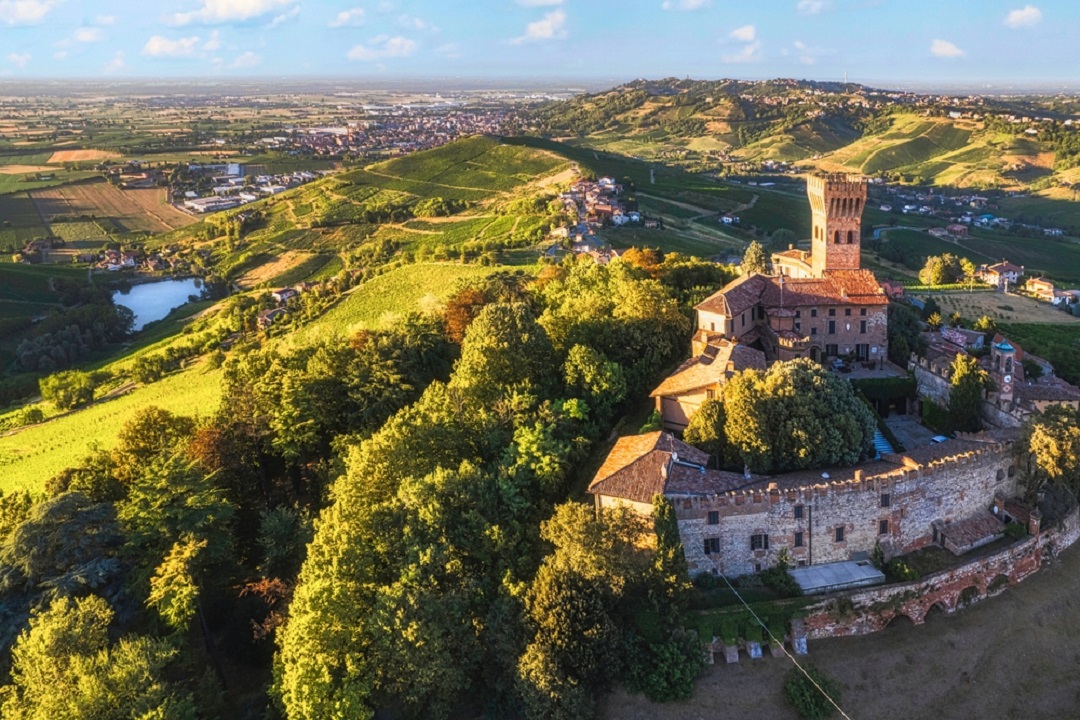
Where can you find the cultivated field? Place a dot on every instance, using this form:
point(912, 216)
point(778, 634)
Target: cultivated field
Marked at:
point(133, 210)
point(1002, 308)
point(30, 456)
point(63, 156)
point(1012, 656)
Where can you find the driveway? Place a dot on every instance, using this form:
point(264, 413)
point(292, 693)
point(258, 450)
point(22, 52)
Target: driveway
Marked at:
point(909, 430)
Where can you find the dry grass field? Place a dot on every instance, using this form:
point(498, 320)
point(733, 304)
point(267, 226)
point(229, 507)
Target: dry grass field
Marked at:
point(133, 210)
point(63, 156)
point(1012, 656)
point(268, 271)
point(1002, 308)
point(21, 169)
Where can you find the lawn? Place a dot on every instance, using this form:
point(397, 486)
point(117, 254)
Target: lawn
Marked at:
point(1058, 343)
point(29, 457)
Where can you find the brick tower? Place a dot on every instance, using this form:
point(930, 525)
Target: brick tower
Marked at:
point(837, 204)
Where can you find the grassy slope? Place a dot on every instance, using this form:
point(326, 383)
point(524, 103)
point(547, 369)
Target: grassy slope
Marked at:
point(34, 454)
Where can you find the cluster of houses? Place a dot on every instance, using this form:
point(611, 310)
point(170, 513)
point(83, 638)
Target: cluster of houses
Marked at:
point(281, 297)
point(938, 205)
point(1006, 276)
point(393, 130)
point(595, 204)
point(233, 187)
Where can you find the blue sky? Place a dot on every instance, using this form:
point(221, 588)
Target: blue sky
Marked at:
point(927, 41)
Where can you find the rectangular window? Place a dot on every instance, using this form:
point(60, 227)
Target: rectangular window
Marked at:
point(840, 534)
point(813, 312)
point(832, 327)
point(799, 539)
point(813, 331)
point(798, 327)
point(847, 311)
point(862, 327)
point(742, 320)
point(798, 512)
point(712, 546)
point(759, 541)
point(798, 313)
point(832, 312)
point(710, 394)
point(831, 350)
point(883, 527)
point(714, 517)
point(862, 311)
point(886, 500)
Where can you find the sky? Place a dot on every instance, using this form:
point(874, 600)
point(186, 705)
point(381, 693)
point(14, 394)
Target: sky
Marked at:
point(871, 41)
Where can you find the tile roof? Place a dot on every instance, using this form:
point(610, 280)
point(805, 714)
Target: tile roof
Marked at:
point(837, 287)
point(1005, 266)
point(710, 368)
point(973, 531)
point(640, 467)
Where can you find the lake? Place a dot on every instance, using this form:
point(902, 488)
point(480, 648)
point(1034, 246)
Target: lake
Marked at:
point(154, 300)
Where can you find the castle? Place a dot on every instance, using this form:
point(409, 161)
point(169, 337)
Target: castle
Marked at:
point(819, 304)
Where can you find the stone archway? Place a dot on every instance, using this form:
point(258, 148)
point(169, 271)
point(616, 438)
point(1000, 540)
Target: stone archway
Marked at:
point(899, 620)
point(935, 612)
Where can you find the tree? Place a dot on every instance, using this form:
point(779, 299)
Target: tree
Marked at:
point(811, 695)
point(795, 416)
point(1053, 439)
point(754, 259)
point(905, 334)
point(985, 324)
point(781, 238)
point(64, 666)
point(705, 431)
point(941, 270)
point(934, 321)
point(174, 588)
point(68, 389)
point(968, 271)
point(967, 384)
point(504, 348)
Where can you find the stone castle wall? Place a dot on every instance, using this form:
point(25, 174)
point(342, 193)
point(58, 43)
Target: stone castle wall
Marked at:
point(858, 612)
point(909, 499)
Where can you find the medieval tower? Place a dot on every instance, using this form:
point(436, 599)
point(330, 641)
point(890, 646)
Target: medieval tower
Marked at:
point(837, 204)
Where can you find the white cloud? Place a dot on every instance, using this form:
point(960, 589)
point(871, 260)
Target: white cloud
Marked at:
point(19, 60)
point(411, 22)
point(160, 46)
point(214, 12)
point(812, 7)
point(25, 12)
point(749, 53)
point(449, 50)
point(213, 42)
point(550, 27)
point(104, 20)
point(246, 60)
point(945, 49)
point(285, 16)
point(1024, 17)
point(539, 3)
point(116, 64)
point(809, 54)
point(60, 55)
point(746, 33)
point(88, 35)
point(383, 46)
point(354, 17)
point(685, 5)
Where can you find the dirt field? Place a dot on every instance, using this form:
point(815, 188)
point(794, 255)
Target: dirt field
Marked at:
point(132, 209)
point(20, 169)
point(265, 272)
point(997, 306)
point(1013, 656)
point(62, 156)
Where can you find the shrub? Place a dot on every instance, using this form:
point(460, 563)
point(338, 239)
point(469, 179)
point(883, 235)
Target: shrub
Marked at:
point(68, 389)
point(780, 580)
point(1016, 530)
point(810, 702)
point(900, 571)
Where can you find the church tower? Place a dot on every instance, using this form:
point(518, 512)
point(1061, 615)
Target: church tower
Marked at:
point(836, 202)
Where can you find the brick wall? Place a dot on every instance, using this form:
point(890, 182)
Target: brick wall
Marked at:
point(947, 490)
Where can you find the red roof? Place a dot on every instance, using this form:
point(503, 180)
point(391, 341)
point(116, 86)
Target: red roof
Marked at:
point(837, 287)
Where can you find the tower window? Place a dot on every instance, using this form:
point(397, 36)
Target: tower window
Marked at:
point(850, 237)
point(836, 237)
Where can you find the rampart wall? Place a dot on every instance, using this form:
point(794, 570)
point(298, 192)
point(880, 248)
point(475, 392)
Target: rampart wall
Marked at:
point(831, 521)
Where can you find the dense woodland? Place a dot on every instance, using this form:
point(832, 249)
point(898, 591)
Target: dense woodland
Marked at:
point(430, 467)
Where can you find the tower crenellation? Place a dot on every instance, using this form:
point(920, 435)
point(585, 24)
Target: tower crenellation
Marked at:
point(837, 203)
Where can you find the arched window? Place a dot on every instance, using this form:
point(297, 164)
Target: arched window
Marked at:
point(1008, 365)
point(836, 237)
point(858, 204)
point(850, 237)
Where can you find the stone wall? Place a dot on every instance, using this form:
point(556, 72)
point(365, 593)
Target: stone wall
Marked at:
point(930, 385)
point(858, 612)
point(944, 490)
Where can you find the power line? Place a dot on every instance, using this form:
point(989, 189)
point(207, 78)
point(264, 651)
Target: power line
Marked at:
point(784, 649)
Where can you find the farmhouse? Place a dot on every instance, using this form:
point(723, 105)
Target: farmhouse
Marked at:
point(1002, 275)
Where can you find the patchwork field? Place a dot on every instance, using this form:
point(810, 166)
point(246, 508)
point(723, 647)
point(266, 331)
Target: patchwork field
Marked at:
point(132, 210)
point(1002, 308)
point(63, 156)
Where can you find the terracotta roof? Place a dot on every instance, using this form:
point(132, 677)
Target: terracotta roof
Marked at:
point(1004, 267)
point(685, 480)
point(1040, 392)
point(974, 530)
point(636, 466)
point(837, 287)
point(710, 368)
point(793, 253)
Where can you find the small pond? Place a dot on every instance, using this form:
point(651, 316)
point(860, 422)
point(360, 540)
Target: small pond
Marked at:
point(154, 300)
